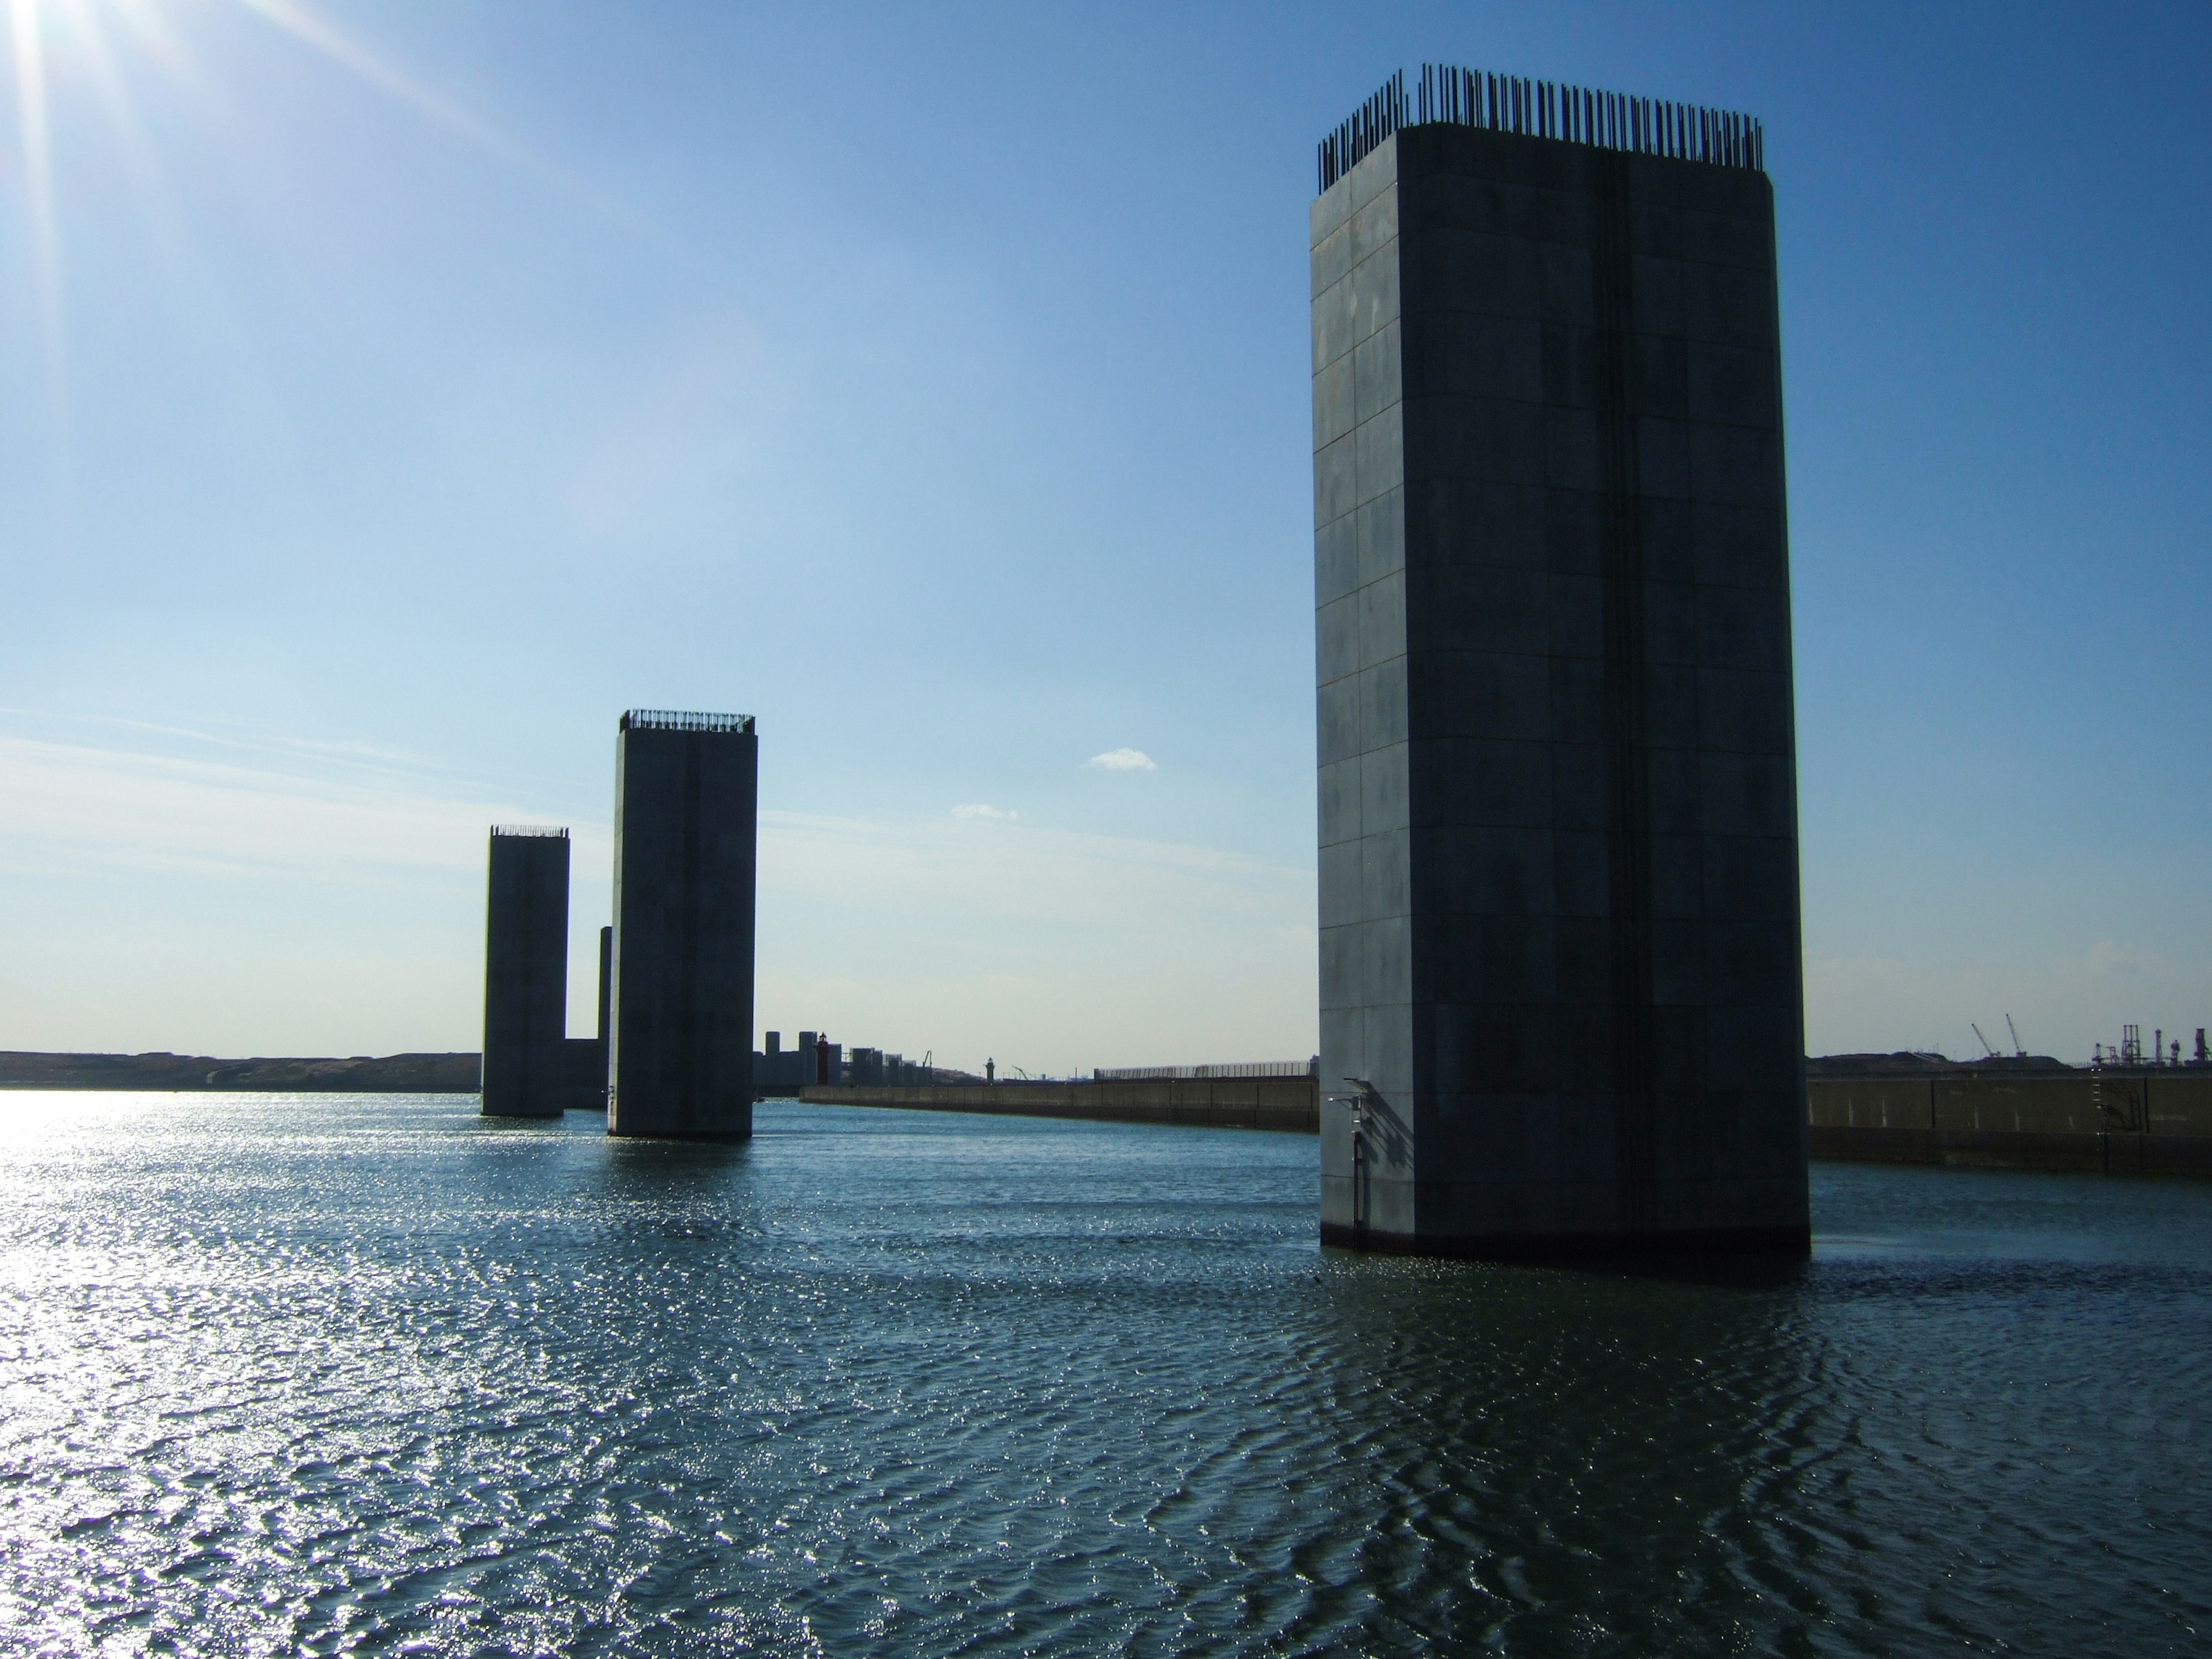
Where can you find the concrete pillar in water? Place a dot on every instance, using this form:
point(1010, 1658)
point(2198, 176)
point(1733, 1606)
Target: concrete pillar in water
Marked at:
point(681, 1018)
point(1560, 932)
point(526, 1070)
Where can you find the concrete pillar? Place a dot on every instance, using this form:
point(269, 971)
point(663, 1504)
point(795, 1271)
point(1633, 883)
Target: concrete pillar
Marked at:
point(584, 1085)
point(1560, 932)
point(525, 1069)
point(681, 1014)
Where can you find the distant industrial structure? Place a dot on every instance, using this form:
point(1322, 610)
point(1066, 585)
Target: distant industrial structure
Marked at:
point(873, 1068)
point(680, 1013)
point(2129, 1051)
point(1561, 1004)
point(784, 1071)
point(781, 1072)
point(527, 1071)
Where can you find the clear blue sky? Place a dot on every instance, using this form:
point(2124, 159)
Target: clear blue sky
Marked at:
point(390, 395)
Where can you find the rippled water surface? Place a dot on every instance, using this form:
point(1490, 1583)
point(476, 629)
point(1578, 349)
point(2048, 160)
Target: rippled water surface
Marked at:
point(328, 1374)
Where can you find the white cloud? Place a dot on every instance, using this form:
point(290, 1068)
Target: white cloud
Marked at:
point(978, 810)
point(1123, 760)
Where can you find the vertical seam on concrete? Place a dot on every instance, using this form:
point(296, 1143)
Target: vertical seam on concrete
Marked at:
point(529, 929)
point(1627, 769)
point(688, 1088)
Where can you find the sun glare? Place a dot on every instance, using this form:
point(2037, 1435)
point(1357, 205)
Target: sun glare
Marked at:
point(36, 28)
point(39, 182)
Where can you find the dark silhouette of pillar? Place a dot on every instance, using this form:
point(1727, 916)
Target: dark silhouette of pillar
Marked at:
point(525, 1070)
point(681, 1015)
point(1562, 1007)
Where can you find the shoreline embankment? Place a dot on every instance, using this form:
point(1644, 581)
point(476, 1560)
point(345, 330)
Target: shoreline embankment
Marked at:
point(167, 1073)
point(1290, 1104)
point(2135, 1121)
point(2143, 1121)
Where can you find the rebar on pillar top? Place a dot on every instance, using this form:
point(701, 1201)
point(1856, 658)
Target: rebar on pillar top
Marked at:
point(1543, 109)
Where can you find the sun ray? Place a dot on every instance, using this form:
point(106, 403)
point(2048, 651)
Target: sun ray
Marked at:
point(149, 32)
point(140, 161)
point(303, 25)
point(47, 37)
point(39, 187)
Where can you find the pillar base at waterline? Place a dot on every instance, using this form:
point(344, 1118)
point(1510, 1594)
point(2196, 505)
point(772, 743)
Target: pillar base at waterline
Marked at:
point(723, 1125)
point(1596, 1248)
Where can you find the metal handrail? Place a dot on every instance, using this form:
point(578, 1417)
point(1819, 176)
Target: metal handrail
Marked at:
point(1251, 1068)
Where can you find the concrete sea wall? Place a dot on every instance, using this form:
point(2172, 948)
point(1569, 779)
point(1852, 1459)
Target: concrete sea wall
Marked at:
point(390, 1074)
point(2141, 1123)
point(1291, 1104)
point(2137, 1123)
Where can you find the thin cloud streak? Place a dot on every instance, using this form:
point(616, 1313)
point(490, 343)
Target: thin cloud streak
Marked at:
point(64, 807)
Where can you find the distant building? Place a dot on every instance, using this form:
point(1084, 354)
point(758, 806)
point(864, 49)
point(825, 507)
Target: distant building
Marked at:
point(780, 1071)
point(681, 1018)
point(527, 1071)
point(871, 1068)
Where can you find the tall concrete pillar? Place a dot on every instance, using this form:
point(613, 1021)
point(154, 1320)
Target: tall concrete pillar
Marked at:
point(682, 1014)
point(1560, 969)
point(526, 1070)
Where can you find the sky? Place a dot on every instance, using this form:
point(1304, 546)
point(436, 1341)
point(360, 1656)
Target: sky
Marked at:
point(390, 396)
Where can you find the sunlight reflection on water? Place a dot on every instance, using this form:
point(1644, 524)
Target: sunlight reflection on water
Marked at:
point(314, 1373)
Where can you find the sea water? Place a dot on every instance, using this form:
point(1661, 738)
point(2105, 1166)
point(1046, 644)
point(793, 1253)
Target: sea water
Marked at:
point(317, 1374)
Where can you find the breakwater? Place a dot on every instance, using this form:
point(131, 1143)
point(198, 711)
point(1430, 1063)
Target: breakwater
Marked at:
point(1291, 1104)
point(389, 1074)
point(2138, 1122)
